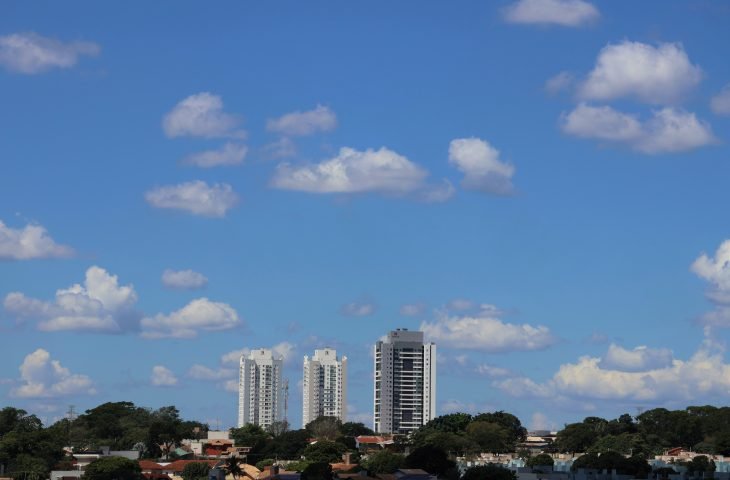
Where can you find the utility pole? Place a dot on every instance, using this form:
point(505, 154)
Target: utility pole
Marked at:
point(286, 400)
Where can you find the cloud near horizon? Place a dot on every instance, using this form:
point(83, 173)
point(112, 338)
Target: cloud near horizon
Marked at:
point(43, 377)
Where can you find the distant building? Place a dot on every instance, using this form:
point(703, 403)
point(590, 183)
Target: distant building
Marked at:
point(324, 386)
point(260, 399)
point(405, 382)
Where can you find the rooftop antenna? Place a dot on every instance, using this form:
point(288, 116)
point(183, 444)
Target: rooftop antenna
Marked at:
point(286, 399)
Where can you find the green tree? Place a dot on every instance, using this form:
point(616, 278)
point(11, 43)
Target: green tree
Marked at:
point(324, 451)
point(195, 471)
point(383, 461)
point(491, 437)
point(317, 471)
point(517, 433)
point(576, 437)
point(355, 429)
point(541, 460)
point(433, 460)
point(325, 428)
point(112, 468)
point(233, 467)
point(28, 467)
point(288, 445)
point(488, 472)
point(251, 435)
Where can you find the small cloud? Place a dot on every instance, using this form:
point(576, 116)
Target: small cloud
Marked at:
point(479, 162)
point(320, 119)
point(460, 305)
point(202, 115)
point(201, 372)
point(196, 197)
point(199, 315)
point(656, 75)
point(358, 309)
point(42, 377)
point(229, 154)
point(99, 305)
point(668, 131)
point(233, 357)
point(438, 193)
point(558, 83)
point(29, 242)
point(162, 377)
point(720, 103)
point(30, 53)
point(183, 279)
point(486, 332)
point(491, 371)
point(566, 13)
point(281, 148)
point(353, 171)
point(412, 309)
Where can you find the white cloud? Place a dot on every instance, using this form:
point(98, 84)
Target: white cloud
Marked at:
point(540, 421)
point(201, 372)
point(486, 332)
point(202, 115)
point(457, 406)
point(285, 350)
point(183, 279)
point(228, 154)
point(720, 103)
point(231, 386)
point(639, 359)
point(233, 357)
point(353, 171)
point(31, 53)
point(29, 242)
point(196, 197)
point(281, 148)
point(703, 376)
point(320, 119)
point(358, 309)
point(491, 371)
point(199, 315)
point(567, 13)
point(412, 309)
point(668, 131)
point(559, 82)
point(716, 271)
point(162, 377)
point(657, 75)
point(100, 305)
point(460, 304)
point(43, 377)
point(438, 193)
point(480, 164)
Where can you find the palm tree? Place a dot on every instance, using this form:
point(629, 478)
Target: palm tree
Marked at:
point(233, 466)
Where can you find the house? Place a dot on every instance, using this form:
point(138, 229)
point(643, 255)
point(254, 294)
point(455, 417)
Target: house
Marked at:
point(372, 443)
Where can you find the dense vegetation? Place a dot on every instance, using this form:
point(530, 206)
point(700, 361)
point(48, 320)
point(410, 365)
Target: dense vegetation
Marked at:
point(30, 450)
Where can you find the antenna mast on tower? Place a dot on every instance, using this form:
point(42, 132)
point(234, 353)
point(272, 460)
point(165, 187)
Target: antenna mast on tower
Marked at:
point(286, 400)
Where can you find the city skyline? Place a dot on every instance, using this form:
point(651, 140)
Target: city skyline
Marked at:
point(539, 186)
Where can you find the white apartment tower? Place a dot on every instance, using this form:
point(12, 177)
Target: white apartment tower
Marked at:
point(260, 399)
point(324, 388)
point(405, 382)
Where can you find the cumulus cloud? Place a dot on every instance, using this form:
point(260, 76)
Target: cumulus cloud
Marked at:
point(228, 154)
point(199, 315)
point(195, 197)
point(636, 360)
point(31, 241)
point(491, 371)
point(320, 119)
point(485, 331)
point(31, 53)
point(669, 130)
point(201, 372)
point(353, 171)
point(99, 305)
point(481, 166)
point(716, 271)
point(162, 377)
point(567, 13)
point(720, 103)
point(358, 309)
point(43, 377)
point(702, 376)
point(183, 279)
point(656, 75)
point(201, 115)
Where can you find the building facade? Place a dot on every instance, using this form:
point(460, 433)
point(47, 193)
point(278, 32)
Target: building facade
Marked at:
point(260, 395)
point(405, 382)
point(324, 386)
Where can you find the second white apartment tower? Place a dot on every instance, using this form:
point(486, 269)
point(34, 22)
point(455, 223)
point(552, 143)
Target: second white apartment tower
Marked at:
point(260, 399)
point(324, 386)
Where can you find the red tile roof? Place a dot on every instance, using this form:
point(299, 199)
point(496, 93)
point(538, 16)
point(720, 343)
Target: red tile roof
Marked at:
point(179, 465)
point(149, 465)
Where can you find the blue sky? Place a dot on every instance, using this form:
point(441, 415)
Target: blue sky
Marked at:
point(540, 185)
